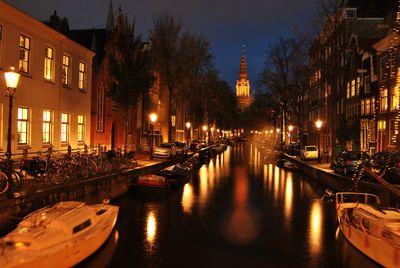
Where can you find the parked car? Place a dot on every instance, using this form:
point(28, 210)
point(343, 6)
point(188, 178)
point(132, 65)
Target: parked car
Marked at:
point(165, 150)
point(309, 152)
point(293, 148)
point(347, 162)
point(181, 148)
point(387, 165)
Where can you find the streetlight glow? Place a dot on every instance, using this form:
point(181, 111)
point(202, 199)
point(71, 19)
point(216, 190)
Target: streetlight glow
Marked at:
point(318, 124)
point(153, 117)
point(12, 78)
point(188, 125)
point(205, 128)
point(290, 128)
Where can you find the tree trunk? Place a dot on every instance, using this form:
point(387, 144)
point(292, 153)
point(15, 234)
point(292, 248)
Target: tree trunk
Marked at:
point(169, 114)
point(126, 128)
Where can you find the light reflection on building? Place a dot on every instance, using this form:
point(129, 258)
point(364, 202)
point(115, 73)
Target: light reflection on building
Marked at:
point(288, 198)
point(187, 198)
point(315, 239)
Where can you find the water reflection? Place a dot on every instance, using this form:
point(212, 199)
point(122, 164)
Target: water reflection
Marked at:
point(242, 225)
point(187, 198)
point(288, 198)
point(315, 239)
point(151, 229)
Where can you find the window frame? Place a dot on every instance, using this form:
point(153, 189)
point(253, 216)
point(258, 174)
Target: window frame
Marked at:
point(66, 71)
point(64, 123)
point(48, 73)
point(25, 48)
point(81, 128)
point(47, 123)
point(82, 72)
point(23, 120)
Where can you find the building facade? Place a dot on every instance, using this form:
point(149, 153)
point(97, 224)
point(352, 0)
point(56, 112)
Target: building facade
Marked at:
point(52, 100)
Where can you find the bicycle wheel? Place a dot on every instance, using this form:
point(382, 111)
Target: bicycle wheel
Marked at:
point(56, 174)
point(17, 178)
point(3, 182)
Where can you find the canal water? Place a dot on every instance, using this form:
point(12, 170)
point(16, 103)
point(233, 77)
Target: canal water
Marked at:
point(237, 211)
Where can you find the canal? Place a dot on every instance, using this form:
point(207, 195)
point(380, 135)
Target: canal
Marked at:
point(237, 211)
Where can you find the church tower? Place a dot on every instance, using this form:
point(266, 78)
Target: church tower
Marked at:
point(243, 85)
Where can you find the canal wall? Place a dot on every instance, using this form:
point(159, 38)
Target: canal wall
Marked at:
point(337, 182)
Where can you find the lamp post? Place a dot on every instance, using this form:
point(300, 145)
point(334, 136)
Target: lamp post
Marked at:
point(12, 78)
point(318, 124)
point(188, 132)
point(290, 128)
point(153, 119)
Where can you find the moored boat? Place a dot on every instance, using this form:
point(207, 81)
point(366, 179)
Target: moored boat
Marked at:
point(152, 181)
point(59, 236)
point(371, 228)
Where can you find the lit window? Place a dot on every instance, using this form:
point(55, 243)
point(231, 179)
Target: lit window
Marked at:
point(23, 125)
point(348, 90)
point(367, 106)
point(173, 119)
point(24, 52)
point(64, 127)
point(81, 128)
point(100, 108)
point(381, 125)
point(66, 72)
point(384, 101)
point(353, 88)
point(373, 105)
point(46, 127)
point(362, 107)
point(82, 76)
point(48, 63)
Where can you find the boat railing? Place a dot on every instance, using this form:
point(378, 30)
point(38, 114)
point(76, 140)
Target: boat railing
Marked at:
point(352, 197)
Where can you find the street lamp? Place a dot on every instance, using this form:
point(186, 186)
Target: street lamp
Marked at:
point(290, 128)
point(188, 131)
point(318, 124)
point(12, 78)
point(153, 119)
point(205, 131)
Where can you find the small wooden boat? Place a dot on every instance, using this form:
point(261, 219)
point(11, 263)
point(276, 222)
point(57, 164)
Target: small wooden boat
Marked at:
point(152, 181)
point(371, 228)
point(58, 236)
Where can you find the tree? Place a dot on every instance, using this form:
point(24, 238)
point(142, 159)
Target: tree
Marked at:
point(130, 70)
point(285, 75)
point(165, 51)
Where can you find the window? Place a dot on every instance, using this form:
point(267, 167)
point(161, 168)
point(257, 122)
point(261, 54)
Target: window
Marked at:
point(362, 107)
point(348, 90)
point(48, 63)
point(353, 88)
point(358, 84)
point(100, 108)
point(82, 76)
point(373, 105)
point(66, 71)
point(383, 63)
point(384, 104)
point(367, 84)
point(173, 119)
point(64, 127)
point(394, 100)
point(24, 52)
point(367, 106)
point(23, 125)
point(81, 128)
point(46, 127)
point(381, 125)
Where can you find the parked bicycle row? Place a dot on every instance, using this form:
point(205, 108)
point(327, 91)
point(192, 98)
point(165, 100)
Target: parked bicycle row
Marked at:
point(56, 168)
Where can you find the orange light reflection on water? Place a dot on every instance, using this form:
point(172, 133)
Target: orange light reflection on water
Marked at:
point(315, 238)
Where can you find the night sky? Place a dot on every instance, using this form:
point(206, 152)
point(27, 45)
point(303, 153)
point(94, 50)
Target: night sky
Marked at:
point(226, 23)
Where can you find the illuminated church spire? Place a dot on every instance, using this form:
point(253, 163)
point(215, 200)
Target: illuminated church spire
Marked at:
point(243, 84)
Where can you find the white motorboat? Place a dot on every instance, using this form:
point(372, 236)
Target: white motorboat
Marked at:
point(59, 236)
point(371, 228)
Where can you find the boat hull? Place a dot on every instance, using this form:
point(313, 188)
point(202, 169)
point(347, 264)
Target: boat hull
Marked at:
point(376, 249)
point(70, 253)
